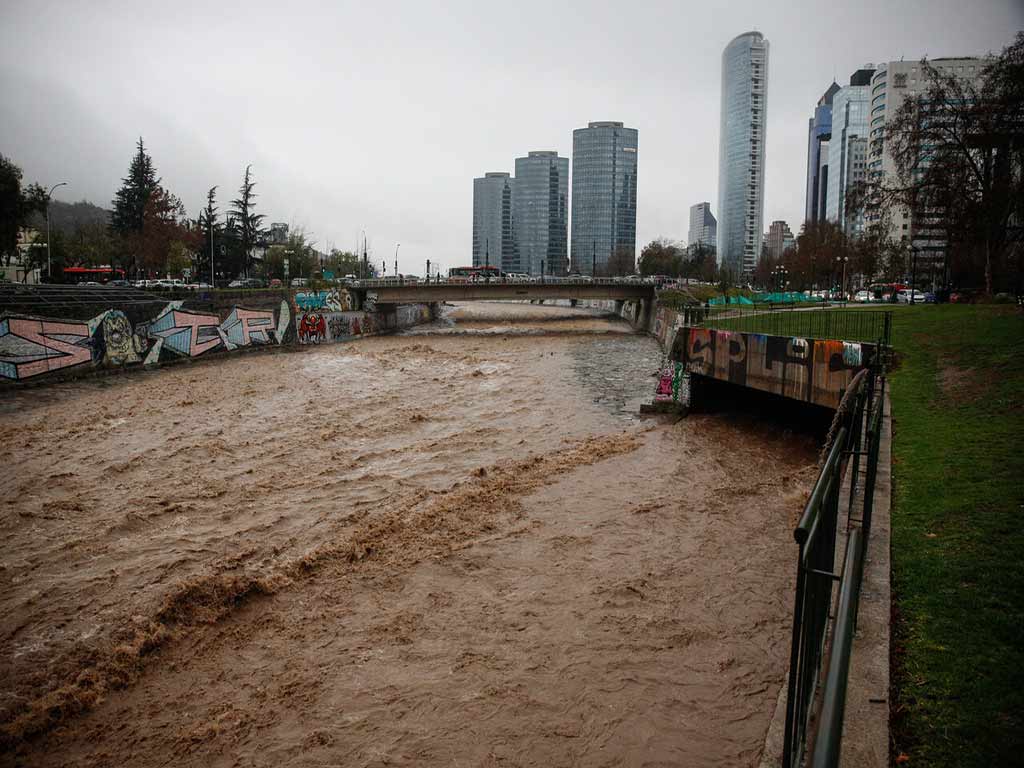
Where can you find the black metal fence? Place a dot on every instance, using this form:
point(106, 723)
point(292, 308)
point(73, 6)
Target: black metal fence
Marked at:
point(868, 325)
point(814, 713)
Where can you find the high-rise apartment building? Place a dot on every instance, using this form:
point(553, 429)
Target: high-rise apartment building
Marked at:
point(703, 226)
point(604, 165)
point(741, 152)
point(780, 239)
point(540, 209)
point(493, 242)
point(850, 124)
point(819, 131)
point(891, 84)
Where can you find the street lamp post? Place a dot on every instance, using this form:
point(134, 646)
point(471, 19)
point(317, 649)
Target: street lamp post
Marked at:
point(397, 246)
point(49, 272)
point(842, 284)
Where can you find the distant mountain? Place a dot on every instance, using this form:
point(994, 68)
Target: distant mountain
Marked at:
point(67, 217)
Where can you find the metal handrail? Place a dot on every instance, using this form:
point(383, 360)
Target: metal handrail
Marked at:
point(860, 422)
point(833, 697)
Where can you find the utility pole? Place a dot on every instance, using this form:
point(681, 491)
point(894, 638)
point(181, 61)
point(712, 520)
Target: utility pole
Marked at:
point(397, 246)
point(593, 257)
point(366, 265)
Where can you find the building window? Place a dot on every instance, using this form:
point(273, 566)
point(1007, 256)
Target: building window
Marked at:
point(899, 80)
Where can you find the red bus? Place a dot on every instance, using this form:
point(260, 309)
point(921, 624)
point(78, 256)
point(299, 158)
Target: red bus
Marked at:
point(92, 274)
point(473, 274)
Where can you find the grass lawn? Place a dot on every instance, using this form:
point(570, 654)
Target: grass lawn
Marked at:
point(958, 535)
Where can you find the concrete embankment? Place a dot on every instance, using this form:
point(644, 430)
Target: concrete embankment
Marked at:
point(44, 340)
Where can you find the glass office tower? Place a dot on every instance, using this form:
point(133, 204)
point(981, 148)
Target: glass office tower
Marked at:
point(604, 160)
point(741, 152)
point(819, 131)
point(493, 242)
point(540, 209)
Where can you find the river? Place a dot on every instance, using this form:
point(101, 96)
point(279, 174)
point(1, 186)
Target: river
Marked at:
point(455, 545)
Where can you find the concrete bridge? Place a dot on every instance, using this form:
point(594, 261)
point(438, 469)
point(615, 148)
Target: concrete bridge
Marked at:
point(397, 292)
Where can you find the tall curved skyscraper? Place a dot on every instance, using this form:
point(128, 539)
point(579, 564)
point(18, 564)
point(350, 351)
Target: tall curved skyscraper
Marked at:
point(741, 152)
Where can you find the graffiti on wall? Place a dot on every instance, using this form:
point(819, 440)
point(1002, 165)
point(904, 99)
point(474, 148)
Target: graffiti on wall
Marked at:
point(315, 327)
point(334, 300)
point(31, 346)
point(812, 370)
point(671, 384)
point(330, 327)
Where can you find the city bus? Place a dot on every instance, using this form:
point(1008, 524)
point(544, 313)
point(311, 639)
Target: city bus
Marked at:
point(473, 274)
point(101, 274)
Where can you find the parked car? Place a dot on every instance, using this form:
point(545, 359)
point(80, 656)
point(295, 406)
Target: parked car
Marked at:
point(862, 297)
point(299, 282)
point(910, 296)
point(118, 284)
point(246, 282)
point(275, 283)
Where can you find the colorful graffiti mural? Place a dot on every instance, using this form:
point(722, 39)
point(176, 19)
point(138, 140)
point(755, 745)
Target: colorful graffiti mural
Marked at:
point(672, 384)
point(334, 300)
point(31, 346)
point(329, 327)
point(813, 370)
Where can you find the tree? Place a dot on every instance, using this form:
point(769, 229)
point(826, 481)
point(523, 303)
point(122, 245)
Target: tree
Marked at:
point(661, 257)
point(958, 152)
point(247, 220)
point(621, 262)
point(16, 206)
point(343, 263)
point(90, 244)
point(816, 259)
point(211, 233)
point(130, 200)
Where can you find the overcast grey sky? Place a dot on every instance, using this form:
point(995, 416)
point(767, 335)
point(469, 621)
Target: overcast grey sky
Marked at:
point(377, 115)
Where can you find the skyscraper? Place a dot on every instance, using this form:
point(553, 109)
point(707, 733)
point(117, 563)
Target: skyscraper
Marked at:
point(891, 84)
point(493, 242)
point(850, 107)
point(780, 239)
point(819, 131)
point(703, 226)
point(604, 164)
point(741, 152)
point(540, 208)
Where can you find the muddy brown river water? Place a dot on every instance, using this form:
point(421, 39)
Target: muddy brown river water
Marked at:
point(454, 546)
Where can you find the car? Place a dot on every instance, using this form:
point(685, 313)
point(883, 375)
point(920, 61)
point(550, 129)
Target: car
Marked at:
point(299, 282)
point(862, 297)
point(119, 284)
point(910, 296)
point(275, 283)
point(165, 284)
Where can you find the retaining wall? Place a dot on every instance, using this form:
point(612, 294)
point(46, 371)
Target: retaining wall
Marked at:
point(36, 348)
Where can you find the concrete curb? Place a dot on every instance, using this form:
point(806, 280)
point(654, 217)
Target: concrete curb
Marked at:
point(866, 719)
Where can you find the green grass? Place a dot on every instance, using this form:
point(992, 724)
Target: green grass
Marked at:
point(957, 541)
point(853, 324)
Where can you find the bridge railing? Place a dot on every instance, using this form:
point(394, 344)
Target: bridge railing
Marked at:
point(814, 707)
point(396, 282)
point(867, 325)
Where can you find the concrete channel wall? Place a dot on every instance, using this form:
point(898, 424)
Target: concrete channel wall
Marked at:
point(39, 346)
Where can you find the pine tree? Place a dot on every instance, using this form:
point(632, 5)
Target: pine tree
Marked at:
point(211, 233)
point(130, 201)
point(248, 222)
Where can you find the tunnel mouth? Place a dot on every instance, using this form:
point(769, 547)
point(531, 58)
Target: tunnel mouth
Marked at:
point(758, 409)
